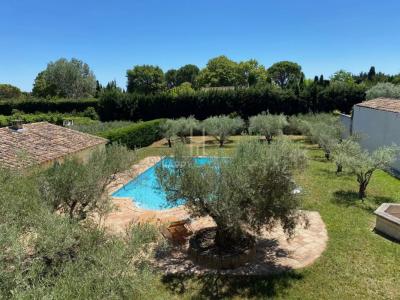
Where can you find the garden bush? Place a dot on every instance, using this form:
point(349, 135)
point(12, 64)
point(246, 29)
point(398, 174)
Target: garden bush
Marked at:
point(136, 135)
point(33, 105)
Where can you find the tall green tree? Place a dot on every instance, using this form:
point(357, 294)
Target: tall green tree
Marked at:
point(145, 79)
point(8, 91)
point(342, 76)
point(371, 73)
point(65, 78)
point(220, 71)
point(252, 72)
point(285, 74)
point(170, 78)
point(187, 73)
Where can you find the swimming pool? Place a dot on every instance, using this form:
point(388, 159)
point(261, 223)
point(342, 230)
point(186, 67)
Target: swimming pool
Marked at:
point(145, 190)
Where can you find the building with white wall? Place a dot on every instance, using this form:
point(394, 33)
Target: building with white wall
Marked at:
point(378, 123)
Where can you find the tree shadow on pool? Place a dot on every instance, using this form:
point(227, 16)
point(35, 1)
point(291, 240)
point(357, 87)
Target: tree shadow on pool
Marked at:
point(350, 198)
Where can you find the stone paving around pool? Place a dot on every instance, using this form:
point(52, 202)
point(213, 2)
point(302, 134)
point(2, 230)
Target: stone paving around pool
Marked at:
point(274, 251)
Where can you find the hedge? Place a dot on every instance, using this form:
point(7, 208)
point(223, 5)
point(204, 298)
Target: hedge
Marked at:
point(136, 135)
point(115, 105)
point(55, 118)
point(44, 105)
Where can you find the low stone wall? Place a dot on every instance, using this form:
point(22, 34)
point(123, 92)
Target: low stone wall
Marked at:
point(222, 261)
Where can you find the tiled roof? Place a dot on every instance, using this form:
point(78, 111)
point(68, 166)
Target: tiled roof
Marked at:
point(386, 104)
point(41, 142)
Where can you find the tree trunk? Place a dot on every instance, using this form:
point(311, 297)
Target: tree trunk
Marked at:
point(361, 190)
point(169, 143)
point(221, 143)
point(328, 155)
point(225, 238)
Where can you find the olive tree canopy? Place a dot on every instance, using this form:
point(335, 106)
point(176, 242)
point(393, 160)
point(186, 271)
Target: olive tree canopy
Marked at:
point(363, 163)
point(267, 125)
point(253, 189)
point(222, 127)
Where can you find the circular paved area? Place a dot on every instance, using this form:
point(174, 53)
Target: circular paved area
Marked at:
point(275, 253)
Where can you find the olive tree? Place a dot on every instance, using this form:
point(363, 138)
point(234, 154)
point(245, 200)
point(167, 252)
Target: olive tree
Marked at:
point(168, 131)
point(78, 189)
point(222, 127)
point(363, 163)
point(343, 149)
point(251, 190)
point(267, 125)
point(326, 131)
point(183, 127)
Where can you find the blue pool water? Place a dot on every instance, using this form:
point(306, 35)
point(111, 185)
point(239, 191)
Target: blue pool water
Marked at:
point(145, 189)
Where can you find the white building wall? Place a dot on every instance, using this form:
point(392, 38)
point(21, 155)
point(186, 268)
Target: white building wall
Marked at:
point(377, 128)
point(347, 125)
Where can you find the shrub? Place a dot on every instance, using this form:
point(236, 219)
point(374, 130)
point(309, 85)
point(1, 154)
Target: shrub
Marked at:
point(136, 135)
point(79, 189)
point(222, 127)
point(267, 125)
point(9, 91)
point(384, 89)
point(251, 190)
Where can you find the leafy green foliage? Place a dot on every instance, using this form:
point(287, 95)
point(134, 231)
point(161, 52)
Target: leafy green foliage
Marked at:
point(187, 73)
point(343, 76)
point(220, 71)
point(222, 127)
point(185, 89)
point(98, 128)
point(63, 78)
point(45, 255)
point(267, 125)
point(55, 118)
point(285, 74)
point(385, 90)
point(253, 189)
point(9, 91)
point(362, 163)
point(183, 127)
point(34, 105)
point(135, 135)
point(145, 79)
point(79, 189)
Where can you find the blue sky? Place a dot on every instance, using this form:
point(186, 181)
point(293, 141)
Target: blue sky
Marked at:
point(112, 36)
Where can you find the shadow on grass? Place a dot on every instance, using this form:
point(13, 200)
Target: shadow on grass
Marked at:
point(350, 198)
point(217, 286)
point(386, 236)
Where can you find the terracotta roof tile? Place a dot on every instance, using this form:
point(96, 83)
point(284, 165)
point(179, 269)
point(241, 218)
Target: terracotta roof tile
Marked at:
point(40, 142)
point(385, 104)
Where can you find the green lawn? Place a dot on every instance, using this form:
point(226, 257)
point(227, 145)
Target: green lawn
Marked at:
point(357, 264)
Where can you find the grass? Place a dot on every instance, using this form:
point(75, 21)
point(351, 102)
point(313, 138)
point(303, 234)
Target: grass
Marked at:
point(357, 264)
